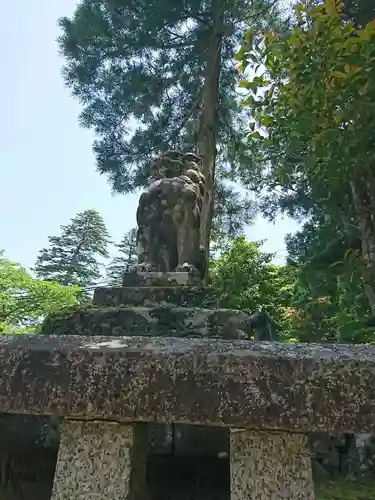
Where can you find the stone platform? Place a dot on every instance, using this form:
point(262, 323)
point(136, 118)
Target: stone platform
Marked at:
point(147, 305)
point(154, 296)
point(160, 305)
point(134, 279)
point(166, 320)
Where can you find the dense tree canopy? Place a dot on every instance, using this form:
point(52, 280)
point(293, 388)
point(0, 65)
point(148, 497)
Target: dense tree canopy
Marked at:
point(25, 301)
point(246, 279)
point(307, 301)
point(154, 77)
point(329, 287)
point(360, 12)
point(160, 75)
point(312, 134)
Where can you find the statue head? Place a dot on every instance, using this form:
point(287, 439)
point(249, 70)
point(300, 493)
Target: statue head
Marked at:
point(167, 165)
point(174, 164)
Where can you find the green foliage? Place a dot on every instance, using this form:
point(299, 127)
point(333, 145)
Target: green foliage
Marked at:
point(315, 105)
point(232, 211)
point(139, 68)
point(308, 301)
point(73, 257)
point(247, 279)
point(312, 135)
point(329, 288)
point(360, 12)
point(25, 301)
point(127, 257)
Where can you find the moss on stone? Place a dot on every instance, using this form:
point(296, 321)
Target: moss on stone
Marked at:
point(346, 490)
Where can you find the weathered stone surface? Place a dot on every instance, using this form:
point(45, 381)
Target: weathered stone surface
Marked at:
point(270, 466)
point(264, 385)
point(163, 321)
point(180, 296)
point(94, 461)
point(168, 216)
point(157, 278)
point(188, 478)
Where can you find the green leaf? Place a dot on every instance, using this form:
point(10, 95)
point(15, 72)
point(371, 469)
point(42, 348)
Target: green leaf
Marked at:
point(240, 54)
point(249, 36)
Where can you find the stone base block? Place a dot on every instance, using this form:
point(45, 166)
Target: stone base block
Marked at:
point(153, 296)
point(270, 466)
point(163, 321)
point(99, 460)
point(160, 279)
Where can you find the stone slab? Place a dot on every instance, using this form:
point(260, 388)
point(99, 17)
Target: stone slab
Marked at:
point(270, 466)
point(162, 321)
point(155, 278)
point(94, 461)
point(263, 385)
point(152, 296)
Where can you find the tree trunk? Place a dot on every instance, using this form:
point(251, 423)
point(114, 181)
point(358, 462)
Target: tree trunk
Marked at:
point(207, 128)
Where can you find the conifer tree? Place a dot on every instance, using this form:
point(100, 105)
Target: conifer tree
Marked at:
point(127, 257)
point(167, 67)
point(73, 257)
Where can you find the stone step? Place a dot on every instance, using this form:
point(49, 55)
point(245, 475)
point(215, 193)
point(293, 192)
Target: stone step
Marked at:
point(163, 321)
point(152, 296)
point(155, 278)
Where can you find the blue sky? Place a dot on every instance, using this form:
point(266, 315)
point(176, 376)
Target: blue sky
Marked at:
point(47, 167)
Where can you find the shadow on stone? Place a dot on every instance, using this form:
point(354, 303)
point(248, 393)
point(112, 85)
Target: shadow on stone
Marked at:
point(187, 478)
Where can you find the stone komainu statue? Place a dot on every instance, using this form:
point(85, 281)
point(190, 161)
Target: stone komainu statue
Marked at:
point(168, 216)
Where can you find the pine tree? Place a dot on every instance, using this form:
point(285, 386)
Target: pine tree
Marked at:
point(73, 257)
point(128, 257)
point(168, 64)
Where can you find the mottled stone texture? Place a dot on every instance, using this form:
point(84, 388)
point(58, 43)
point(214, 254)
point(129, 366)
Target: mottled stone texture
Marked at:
point(152, 296)
point(270, 466)
point(160, 310)
point(95, 460)
point(264, 385)
point(135, 279)
point(163, 321)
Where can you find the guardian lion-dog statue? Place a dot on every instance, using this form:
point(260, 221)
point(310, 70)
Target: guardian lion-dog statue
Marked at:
point(168, 216)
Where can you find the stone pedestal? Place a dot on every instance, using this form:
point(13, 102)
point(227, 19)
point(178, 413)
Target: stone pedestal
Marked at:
point(270, 466)
point(160, 305)
point(99, 460)
point(155, 278)
point(156, 305)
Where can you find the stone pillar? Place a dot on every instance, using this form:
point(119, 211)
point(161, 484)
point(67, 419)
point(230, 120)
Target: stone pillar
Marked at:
point(100, 460)
point(270, 466)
